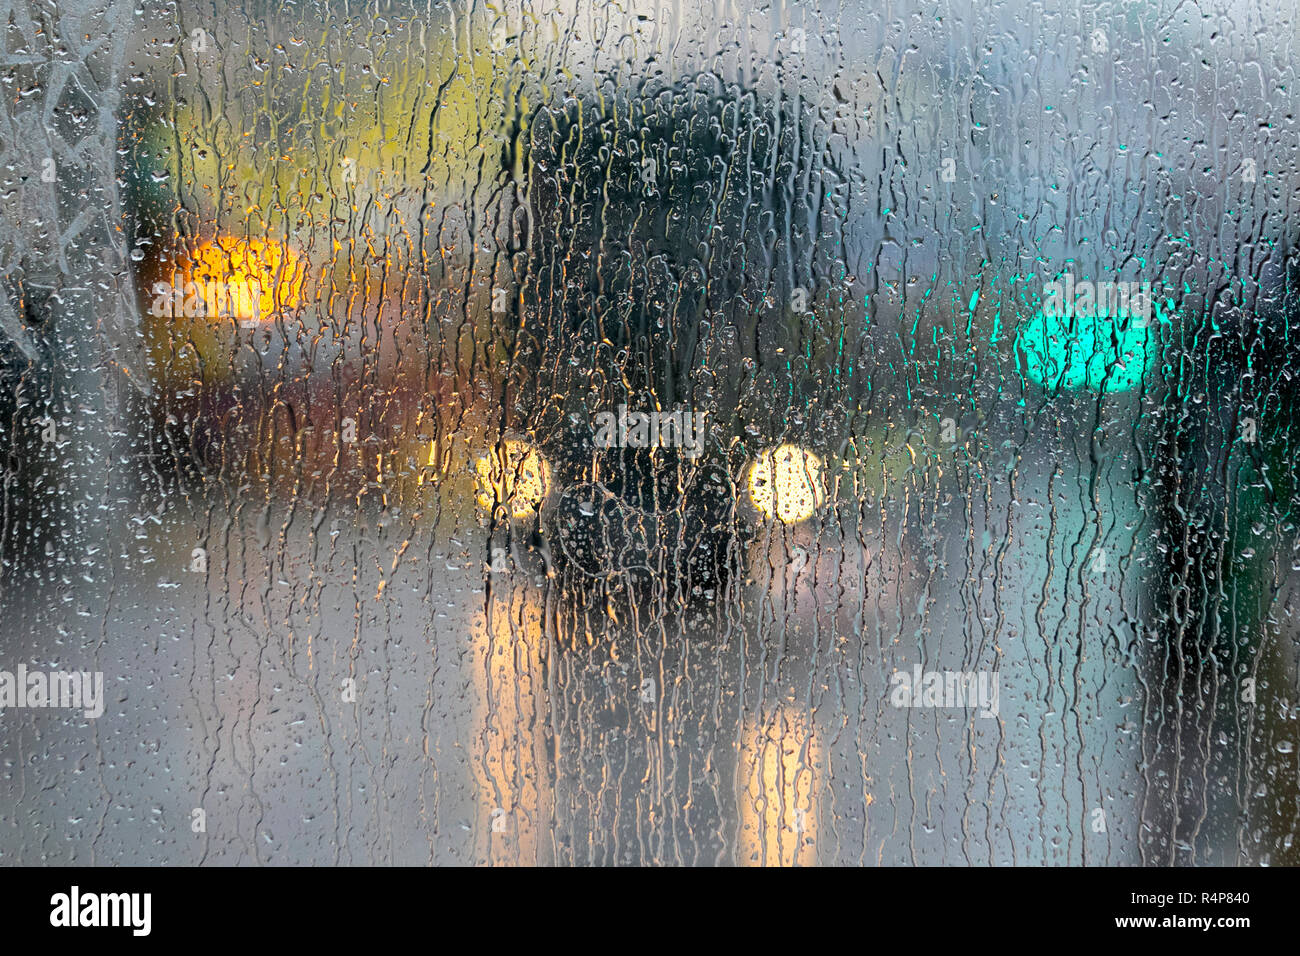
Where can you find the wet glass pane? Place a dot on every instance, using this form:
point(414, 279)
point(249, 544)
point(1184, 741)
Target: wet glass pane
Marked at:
point(556, 432)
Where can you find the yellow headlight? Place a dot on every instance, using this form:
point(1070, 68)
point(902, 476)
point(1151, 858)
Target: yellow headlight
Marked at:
point(517, 475)
point(786, 483)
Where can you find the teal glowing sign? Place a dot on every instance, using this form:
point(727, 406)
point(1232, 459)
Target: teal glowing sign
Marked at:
point(1095, 335)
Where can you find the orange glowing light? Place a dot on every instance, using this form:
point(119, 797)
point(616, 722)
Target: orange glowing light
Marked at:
point(251, 280)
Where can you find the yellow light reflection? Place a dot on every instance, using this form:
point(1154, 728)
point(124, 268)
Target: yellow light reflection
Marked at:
point(778, 805)
point(516, 475)
point(786, 483)
point(508, 748)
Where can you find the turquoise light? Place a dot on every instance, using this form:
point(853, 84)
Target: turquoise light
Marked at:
point(1090, 351)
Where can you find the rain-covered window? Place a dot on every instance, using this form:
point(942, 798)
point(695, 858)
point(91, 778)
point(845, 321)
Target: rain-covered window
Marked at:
point(562, 432)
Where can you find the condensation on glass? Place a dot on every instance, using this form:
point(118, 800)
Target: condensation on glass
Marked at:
point(557, 432)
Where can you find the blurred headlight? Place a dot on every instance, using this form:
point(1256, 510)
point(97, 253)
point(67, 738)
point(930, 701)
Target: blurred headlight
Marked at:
point(786, 483)
point(516, 475)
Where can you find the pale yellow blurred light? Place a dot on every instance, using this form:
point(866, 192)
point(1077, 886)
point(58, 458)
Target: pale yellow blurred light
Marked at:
point(778, 802)
point(508, 752)
point(431, 469)
point(786, 483)
point(517, 475)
